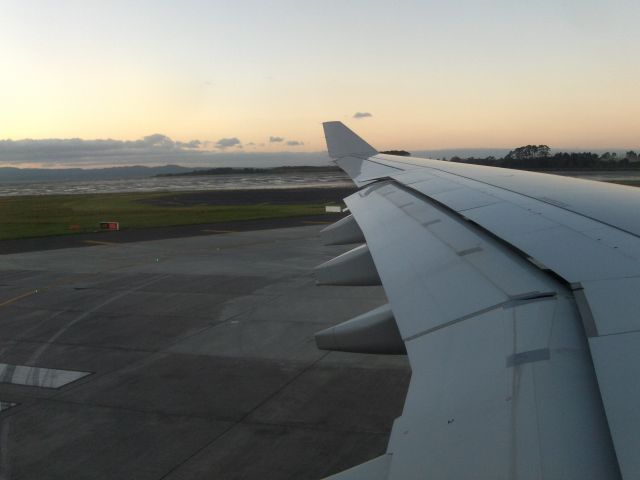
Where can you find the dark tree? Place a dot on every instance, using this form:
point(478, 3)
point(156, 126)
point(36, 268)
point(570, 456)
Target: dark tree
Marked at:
point(528, 152)
point(402, 153)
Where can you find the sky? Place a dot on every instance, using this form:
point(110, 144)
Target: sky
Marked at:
point(190, 77)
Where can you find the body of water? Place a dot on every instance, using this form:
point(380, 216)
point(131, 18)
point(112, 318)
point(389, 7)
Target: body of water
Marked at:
point(179, 184)
point(234, 182)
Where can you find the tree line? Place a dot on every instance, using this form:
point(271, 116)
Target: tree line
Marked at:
point(539, 157)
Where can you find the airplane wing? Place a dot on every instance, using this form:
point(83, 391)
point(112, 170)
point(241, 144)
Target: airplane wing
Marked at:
point(516, 296)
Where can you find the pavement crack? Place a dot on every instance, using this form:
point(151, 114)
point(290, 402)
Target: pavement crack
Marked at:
point(248, 414)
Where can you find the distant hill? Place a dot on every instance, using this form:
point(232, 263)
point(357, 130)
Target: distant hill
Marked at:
point(19, 175)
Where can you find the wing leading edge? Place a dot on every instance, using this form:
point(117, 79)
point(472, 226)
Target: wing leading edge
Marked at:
point(502, 341)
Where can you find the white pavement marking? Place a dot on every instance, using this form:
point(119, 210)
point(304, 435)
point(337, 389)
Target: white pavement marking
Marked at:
point(38, 376)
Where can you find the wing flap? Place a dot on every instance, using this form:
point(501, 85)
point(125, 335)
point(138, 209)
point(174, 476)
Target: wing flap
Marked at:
point(617, 363)
point(506, 394)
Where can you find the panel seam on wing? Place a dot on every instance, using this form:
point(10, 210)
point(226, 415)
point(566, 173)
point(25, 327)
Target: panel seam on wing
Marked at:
point(512, 302)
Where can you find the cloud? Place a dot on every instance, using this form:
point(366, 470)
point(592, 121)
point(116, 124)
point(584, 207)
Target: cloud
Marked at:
point(69, 148)
point(227, 142)
point(157, 140)
point(275, 139)
point(155, 149)
point(191, 144)
point(362, 115)
point(76, 151)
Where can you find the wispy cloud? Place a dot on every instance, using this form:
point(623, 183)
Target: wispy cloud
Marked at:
point(362, 115)
point(227, 142)
point(275, 139)
point(294, 143)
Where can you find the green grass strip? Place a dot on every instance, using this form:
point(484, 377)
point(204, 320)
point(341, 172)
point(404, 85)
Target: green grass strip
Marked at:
point(37, 216)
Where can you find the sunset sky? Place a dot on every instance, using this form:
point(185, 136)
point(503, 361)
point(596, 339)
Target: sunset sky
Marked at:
point(430, 74)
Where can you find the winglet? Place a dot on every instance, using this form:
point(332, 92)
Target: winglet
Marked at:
point(342, 142)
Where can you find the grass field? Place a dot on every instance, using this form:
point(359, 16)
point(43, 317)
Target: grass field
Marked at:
point(36, 216)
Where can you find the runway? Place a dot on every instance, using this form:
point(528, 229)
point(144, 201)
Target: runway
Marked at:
point(186, 358)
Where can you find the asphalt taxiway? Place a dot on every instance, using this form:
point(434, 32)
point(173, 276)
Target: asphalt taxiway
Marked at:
point(186, 358)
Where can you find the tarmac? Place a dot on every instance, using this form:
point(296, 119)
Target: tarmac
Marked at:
point(186, 358)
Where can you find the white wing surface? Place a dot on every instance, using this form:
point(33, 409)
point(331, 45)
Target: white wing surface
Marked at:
point(516, 297)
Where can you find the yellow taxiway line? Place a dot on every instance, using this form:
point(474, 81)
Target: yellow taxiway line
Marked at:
point(19, 297)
